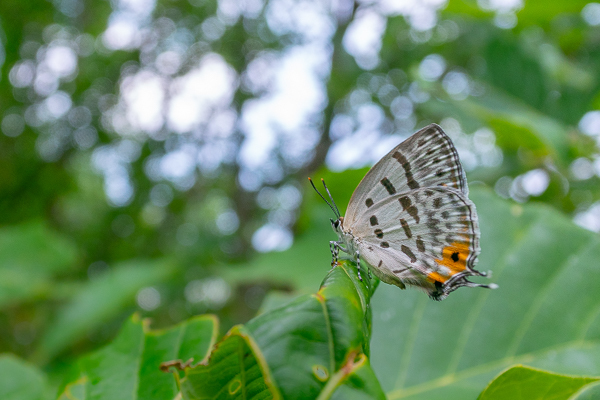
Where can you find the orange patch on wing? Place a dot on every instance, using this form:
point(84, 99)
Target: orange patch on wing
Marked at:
point(434, 276)
point(454, 257)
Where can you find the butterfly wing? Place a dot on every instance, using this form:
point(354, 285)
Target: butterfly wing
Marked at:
point(426, 159)
point(428, 237)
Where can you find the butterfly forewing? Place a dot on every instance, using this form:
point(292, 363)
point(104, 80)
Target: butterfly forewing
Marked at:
point(426, 159)
point(410, 218)
point(435, 241)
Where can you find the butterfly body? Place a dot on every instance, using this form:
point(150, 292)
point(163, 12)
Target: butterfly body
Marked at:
point(410, 219)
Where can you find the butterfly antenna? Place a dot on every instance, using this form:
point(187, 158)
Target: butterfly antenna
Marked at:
point(332, 201)
point(319, 193)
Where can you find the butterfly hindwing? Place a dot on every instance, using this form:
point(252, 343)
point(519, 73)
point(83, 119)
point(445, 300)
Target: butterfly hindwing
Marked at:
point(421, 237)
point(426, 159)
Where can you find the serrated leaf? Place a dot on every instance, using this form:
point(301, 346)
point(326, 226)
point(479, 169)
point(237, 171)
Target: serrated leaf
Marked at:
point(544, 314)
point(235, 371)
point(310, 348)
point(525, 383)
point(129, 367)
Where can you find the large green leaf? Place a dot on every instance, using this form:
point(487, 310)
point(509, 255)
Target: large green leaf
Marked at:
point(129, 367)
point(19, 380)
point(525, 383)
point(313, 347)
point(30, 254)
point(99, 300)
point(545, 313)
point(235, 370)
point(588, 392)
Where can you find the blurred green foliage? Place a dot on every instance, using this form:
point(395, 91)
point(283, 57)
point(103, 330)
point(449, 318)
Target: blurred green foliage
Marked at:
point(74, 264)
point(521, 382)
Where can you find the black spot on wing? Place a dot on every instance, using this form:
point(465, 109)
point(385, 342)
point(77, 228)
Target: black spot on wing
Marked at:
point(369, 202)
point(454, 256)
point(379, 233)
point(405, 202)
point(388, 186)
point(373, 220)
point(437, 202)
point(406, 228)
point(410, 179)
point(385, 245)
point(420, 244)
point(413, 212)
point(409, 253)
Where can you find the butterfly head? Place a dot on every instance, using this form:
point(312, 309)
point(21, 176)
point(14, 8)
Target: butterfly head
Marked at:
point(337, 225)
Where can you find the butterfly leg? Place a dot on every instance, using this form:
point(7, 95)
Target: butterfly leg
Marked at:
point(334, 247)
point(357, 255)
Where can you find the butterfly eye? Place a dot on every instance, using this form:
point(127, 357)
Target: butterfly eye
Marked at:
point(335, 223)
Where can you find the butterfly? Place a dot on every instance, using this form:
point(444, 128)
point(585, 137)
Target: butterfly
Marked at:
point(410, 218)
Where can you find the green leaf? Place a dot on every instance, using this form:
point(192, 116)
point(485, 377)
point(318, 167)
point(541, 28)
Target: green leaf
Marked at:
point(30, 254)
point(99, 300)
point(129, 367)
point(358, 382)
point(545, 313)
point(525, 383)
point(515, 124)
point(235, 371)
point(588, 392)
point(316, 346)
point(20, 380)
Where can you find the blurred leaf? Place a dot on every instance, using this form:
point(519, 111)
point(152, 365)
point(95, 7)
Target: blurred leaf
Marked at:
point(547, 271)
point(30, 254)
point(533, 12)
point(525, 383)
point(541, 12)
point(515, 124)
point(314, 347)
point(588, 392)
point(129, 367)
point(301, 266)
point(20, 380)
point(100, 300)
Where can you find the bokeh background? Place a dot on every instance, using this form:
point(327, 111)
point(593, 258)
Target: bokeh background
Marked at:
point(154, 153)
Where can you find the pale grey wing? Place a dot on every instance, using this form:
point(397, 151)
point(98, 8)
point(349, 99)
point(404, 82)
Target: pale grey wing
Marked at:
point(426, 159)
point(433, 231)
